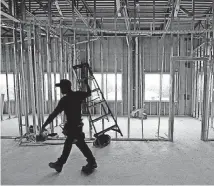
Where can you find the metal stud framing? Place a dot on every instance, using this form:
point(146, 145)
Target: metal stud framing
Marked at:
point(43, 59)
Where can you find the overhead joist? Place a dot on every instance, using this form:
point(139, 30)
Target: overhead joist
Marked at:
point(204, 15)
point(185, 11)
point(143, 19)
point(79, 14)
point(132, 32)
point(90, 12)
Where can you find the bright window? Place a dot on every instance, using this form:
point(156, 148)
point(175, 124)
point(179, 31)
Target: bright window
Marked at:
point(3, 87)
point(152, 87)
point(109, 86)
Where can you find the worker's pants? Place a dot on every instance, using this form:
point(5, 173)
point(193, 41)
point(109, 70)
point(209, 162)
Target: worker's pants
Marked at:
point(79, 140)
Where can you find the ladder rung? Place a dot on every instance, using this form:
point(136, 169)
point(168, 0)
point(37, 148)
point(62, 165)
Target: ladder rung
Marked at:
point(101, 117)
point(87, 78)
point(97, 103)
point(115, 130)
point(96, 89)
point(92, 100)
point(107, 129)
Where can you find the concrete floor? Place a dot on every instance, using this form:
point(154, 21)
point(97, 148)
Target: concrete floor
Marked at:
point(186, 161)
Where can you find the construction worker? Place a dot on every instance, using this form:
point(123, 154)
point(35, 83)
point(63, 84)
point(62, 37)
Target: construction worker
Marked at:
point(71, 105)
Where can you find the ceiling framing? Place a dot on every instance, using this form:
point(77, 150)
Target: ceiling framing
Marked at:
point(138, 14)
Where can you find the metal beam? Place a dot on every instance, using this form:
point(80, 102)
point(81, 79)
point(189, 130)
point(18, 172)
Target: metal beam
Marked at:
point(206, 12)
point(87, 8)
point(58, 8)
point(91, 12)
point(131, 32)
point(79, 14)
point(177, 8)
point(5, 4)
point(189, 58)
point(42, 6)
point(9, 16)
point(185, 11)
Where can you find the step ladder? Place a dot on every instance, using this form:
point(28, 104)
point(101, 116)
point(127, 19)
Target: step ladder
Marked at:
point(84, 72)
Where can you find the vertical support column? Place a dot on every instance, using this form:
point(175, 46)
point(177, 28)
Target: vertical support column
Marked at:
point(102, 77)
point(107, 70)
point(205, 114)
point(40, 78)
point(142, 76)
point(60, 51)
point(49, 77)
point(115, 71)
point(31, 79)
point(172, 95)
point(136, 71)
point(201, 74)
point(74, 42)
point(17, 71)
point(193, 63)
point(196, 87)
point(55, 73)
point(129, 84)
point(186, 82)
point(23, 61)
point(35, 73)
point(7, 65)
point(182, 78)
point(161, 84)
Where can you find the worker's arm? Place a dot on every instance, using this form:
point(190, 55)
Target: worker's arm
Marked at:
point(56, 111)
point(84, 95)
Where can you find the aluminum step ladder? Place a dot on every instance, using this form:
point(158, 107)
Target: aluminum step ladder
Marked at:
point(84, 72)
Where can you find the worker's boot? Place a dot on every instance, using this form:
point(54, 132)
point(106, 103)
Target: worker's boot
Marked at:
point(91, 165)
point(56, 165)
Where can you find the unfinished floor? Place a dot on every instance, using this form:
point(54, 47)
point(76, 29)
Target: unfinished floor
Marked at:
point(186, 161)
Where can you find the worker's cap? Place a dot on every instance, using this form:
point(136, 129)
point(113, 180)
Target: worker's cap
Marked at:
point(63, 83)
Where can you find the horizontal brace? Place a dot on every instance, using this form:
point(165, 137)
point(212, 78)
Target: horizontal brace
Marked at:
point(188, 58)
point(131, 32)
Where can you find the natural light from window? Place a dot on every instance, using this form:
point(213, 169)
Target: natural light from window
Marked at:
point(110, 94)
point(152, 87)
point(3, 87)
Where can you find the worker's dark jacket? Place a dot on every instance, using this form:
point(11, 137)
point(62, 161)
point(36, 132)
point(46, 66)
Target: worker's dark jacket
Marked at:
point(71, 105)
